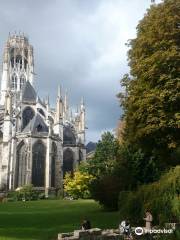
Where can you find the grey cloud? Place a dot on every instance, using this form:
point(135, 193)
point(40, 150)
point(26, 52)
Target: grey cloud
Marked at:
point(80, 44)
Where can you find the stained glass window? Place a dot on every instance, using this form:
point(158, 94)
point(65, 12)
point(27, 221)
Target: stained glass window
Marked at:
point(38, 164)
point(22, 81)
point(21, 165)
point(53, 164)
point(68, 161)
point(27, 115)
point(14, 82)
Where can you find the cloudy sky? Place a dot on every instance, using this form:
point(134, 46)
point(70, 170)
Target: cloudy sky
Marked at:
point(79, 44)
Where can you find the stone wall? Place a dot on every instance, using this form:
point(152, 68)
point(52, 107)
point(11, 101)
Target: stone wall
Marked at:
point(92, 234)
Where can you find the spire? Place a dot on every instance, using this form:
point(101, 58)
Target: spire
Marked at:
point(47, 101)
point(82, 105)
point(82, 101)
point(59, 105)
point(59, 92)
point(66, 101)
point(66, 107)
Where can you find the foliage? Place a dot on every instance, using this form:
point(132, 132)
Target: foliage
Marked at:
point(104, 158)
point(151, 100)
point(77, 185)
point(105, 190)
point(108, 175)
point(24, 193)
point(161, 198)
point(113, 170)
point(140, 168)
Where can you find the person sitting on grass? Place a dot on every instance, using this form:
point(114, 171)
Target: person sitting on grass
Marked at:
point(86, 225)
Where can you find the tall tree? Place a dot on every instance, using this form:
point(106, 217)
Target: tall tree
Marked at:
point(105, 156)
point(111, 171)
point(151, 101)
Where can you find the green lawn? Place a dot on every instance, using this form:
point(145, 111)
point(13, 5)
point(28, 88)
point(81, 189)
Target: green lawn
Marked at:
point(46, 218)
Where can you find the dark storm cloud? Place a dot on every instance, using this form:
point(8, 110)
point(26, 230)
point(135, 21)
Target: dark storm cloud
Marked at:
point(79, 44)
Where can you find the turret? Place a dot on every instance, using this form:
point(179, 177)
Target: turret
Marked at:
point(59, 106)
point(82, 115)
point(81, 123)
point(58, 125)
point(66, 108)
point(18, 65)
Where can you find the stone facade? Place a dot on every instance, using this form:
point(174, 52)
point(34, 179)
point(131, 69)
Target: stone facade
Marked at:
point(38, 143)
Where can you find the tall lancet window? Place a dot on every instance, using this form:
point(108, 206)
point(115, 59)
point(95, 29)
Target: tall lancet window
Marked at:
point(14, 82)
point(38, 164)
point(27, 115)
point(68, 161)
point(19, 61)
point(53, 164)
point(21, 165)
point(22, 81)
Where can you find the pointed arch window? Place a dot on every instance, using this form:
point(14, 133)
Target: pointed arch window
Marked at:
point(14, 81)
point(53, 164)
point(68, 161)
point(12, 57)
point(27, 115)
point(19, 61)
point(38, 164)
point(21, 165)
point(22, 81)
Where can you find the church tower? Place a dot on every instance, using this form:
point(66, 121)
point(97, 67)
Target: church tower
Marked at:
point(39, 144)
point(17, 67)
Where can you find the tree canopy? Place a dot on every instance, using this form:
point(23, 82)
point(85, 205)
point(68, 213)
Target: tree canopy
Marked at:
point(151, 100)
point(105, 156)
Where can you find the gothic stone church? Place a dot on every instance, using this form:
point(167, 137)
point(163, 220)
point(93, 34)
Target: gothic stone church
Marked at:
point(38, 144)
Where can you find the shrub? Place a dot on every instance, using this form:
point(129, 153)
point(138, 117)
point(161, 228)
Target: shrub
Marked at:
point(130, 206)
point(105, 190)
point(26, 192)
point(77, 185)
point(161, 198)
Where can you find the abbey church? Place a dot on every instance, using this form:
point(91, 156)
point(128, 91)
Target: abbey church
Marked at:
point(38, 143)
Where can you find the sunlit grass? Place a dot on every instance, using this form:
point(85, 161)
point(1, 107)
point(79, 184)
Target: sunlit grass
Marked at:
point(44, 219)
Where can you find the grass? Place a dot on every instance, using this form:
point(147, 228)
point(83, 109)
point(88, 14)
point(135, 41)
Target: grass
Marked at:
point(43, 220)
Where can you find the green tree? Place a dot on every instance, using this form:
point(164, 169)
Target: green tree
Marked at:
point(105, 156)
point(77, 185)
point(151, 100)
point(110, 169)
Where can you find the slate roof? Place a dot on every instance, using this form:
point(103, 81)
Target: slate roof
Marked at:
point(36, 124)
point(29, 94)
